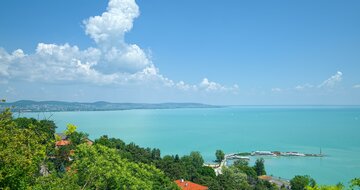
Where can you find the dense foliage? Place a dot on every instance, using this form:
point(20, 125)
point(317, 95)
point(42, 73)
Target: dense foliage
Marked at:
point(22, 151)
point(220, 155)
point(30, 160)
point(260, 167)
point(300, 182)
point(191, 167)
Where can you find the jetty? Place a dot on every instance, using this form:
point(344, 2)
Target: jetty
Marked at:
point(288, 154)
point(246, 156)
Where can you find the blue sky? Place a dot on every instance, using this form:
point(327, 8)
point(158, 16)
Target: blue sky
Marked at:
point(228, 52)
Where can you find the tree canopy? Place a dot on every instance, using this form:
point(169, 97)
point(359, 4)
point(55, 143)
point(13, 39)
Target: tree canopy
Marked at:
point(300, 182)
point(220, 155)
point(260, 167)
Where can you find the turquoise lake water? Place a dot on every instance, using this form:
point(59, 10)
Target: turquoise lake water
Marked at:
point(335, 130)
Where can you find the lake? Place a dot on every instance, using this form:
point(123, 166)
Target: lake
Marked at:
point(304, 129)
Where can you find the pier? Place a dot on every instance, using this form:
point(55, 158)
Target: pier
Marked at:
point(286, 154)
point(246, 156)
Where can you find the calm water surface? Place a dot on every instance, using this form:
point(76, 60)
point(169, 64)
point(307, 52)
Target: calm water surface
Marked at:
point(239, 129)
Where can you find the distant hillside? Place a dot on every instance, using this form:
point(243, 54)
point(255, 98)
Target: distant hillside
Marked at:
point(55, 106)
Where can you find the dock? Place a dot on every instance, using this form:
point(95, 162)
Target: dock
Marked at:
point(285, 154)
point(246, 156)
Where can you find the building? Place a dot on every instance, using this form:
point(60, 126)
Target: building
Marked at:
point(262, 153)
point(188, 185)
point(65, 141)
point(62, 143)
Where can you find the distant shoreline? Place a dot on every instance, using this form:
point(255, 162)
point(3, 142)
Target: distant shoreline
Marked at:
point(60, 106)
point(26, 106)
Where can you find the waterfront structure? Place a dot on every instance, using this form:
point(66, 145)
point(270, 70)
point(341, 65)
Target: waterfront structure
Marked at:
point(292, 154)
point(262, 153)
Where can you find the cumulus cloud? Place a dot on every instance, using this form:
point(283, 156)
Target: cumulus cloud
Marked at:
point(111, 61)
point(332, 81)
point(110, 27)
point(54, 63)
point(183, 86)
point(211, 86)
point(108, 31)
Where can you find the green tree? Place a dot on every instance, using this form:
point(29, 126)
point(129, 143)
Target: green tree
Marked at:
point(21, 153)
point(98, 167)
point(220, 155)
point(301, 182)
point(173, 168)
point(260, 167)
point(77, 138)
point(244, 167)
point(155, 154)
point(196, 159)
point(193, 163)
point(355, 183)
point(262, 185)
point(54, 182)
point(111, 142)
point(233, 179)
point(325, 187)
point(43, 127)
point(70, 128)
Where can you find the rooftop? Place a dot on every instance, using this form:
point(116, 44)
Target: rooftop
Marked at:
point(188, 185)
point(62, 143)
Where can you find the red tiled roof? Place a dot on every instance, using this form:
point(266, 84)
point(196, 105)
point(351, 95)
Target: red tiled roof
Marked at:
point(89, 142)
point(188, 185)
point(62, 143)
point(265, 177)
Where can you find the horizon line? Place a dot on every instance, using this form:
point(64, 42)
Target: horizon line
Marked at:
point(170, 102)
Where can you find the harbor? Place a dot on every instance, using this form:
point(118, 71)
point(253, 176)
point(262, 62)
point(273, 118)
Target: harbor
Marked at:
point(247, 155)
point(278, 153)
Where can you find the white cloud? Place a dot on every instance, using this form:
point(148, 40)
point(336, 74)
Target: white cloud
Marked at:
point(211, 86)
point(328, 83)
point(54, 63)
point(276, 89)
point(356, 86)
point(108, 31)
point(183, 86)
point(111, 62)
point(110, 27)
point(304, 86)
point(332, 81)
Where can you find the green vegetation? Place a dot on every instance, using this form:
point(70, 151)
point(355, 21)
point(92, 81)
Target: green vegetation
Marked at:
point(23, 151)
point(355, 183)
point(244, 154)
point(326, 187)
point(29, 159)
point(300, 182)
point(220, 155)
point(260, 167)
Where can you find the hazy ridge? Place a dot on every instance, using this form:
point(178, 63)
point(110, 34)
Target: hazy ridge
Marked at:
point(55, 106)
